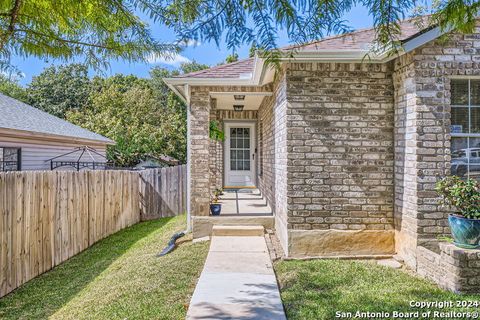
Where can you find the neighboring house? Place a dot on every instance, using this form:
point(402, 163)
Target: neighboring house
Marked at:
point(345, 148)
point(29, 138)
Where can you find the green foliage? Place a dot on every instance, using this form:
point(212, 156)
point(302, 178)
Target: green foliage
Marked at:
point(193, 66)
point(456, 14)
point(11, 88)
point(252, 50)
point(100, 31)
point(462, 194)
point(232, 58)
point(143, 116)
point(95, 30)
point(59, 89)
point(216, 133)
point(135, 120)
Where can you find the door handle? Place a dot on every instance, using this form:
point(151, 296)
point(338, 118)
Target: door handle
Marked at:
point(253, 156)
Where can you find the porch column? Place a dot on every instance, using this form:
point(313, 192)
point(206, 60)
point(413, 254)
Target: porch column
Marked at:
point(199, 143)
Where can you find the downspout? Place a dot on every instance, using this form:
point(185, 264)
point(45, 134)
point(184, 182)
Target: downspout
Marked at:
point(187, 96)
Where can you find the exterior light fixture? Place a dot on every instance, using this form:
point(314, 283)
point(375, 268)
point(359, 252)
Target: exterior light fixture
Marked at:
point(239, 96)
point(238, 107)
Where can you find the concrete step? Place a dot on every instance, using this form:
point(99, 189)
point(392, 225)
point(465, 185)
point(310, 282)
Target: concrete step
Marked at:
point(246, 231)
point(202, 226)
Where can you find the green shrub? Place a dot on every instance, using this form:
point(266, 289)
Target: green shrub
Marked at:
point(462, 194)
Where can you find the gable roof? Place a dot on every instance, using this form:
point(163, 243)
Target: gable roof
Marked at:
point(359, 40)
point(349, 47)
point(17, 115)
point(235, 69)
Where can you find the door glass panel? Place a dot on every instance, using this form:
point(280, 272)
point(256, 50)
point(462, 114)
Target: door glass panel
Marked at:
point(240, 149)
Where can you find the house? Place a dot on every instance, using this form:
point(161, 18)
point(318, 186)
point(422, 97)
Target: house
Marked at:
point(345, 144)
point(30, 138)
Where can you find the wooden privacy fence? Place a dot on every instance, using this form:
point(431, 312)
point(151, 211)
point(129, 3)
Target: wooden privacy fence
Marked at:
point(163, 192)
point(48, 217)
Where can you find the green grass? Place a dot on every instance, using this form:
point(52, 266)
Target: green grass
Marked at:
point(316, 289)
point(118, 278)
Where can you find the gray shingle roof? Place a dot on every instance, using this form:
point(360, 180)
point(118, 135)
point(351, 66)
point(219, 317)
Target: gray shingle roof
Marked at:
point(357, 40)
point(20, 116)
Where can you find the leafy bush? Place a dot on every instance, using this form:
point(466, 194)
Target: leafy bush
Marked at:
point(462, 194)
point(215, 132)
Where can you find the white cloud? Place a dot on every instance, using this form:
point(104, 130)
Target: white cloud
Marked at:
point(174, 60)
point(189, 43)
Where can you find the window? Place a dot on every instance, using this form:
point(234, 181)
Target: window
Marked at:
point(10, 159)
point(465, 129)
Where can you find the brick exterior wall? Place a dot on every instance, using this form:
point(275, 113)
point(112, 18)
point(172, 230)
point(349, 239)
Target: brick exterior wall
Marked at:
point(405, 134)
point(199, 151)
point(422, 135)
point(452, 268)
point(340, 146)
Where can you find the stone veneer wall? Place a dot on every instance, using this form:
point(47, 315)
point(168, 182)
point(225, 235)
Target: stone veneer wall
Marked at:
point(340, 159)
point(422, 78)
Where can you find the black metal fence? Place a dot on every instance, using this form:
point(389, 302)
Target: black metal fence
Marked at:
point(9, 165)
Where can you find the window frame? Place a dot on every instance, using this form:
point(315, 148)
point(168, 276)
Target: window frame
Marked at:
point(19, 158)
point(469, 106)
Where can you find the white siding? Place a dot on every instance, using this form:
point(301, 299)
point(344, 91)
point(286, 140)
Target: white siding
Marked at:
point(36, 154)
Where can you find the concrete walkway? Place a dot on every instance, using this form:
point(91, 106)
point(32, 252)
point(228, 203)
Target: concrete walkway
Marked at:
point(237, 282)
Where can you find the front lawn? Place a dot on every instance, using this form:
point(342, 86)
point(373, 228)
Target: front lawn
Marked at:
point(317, 289)
point(118, 278)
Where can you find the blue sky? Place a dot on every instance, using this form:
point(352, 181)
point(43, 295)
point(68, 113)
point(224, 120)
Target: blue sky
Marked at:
point(208, 53)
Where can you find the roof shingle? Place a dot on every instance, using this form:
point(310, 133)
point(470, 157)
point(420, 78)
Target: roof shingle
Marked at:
point(17, 115)
point(357, 40)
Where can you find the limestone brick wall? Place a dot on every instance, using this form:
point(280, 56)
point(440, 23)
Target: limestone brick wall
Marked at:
point(405, 140)
point(266, 150)
point(340, 146)
point(422, 135)
point(452, 268)
point(199, 151)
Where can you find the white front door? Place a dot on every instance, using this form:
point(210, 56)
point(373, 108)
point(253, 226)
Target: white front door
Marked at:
point(239, 164)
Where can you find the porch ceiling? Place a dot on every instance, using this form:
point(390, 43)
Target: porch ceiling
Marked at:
point(252, 101)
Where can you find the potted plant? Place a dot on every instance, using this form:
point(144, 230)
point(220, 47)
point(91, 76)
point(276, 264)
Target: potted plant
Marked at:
point(215, 207)
point(219, 191)
point(464, 195)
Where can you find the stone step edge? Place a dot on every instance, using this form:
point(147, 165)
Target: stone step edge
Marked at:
point(227, 230)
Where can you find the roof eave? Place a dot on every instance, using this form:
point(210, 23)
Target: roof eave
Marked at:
point(47, 136)
point(326, 55)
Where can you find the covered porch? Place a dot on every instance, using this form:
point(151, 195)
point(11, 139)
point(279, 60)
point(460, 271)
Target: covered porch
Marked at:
point(246, 202)
point(234, 163)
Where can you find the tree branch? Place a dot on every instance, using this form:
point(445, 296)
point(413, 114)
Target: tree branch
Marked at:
point(11, 26)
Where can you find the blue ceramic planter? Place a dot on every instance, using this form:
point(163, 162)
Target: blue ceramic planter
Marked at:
point(215, 209)
point(465, 232)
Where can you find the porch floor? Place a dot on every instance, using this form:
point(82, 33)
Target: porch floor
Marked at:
point(244, 202)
